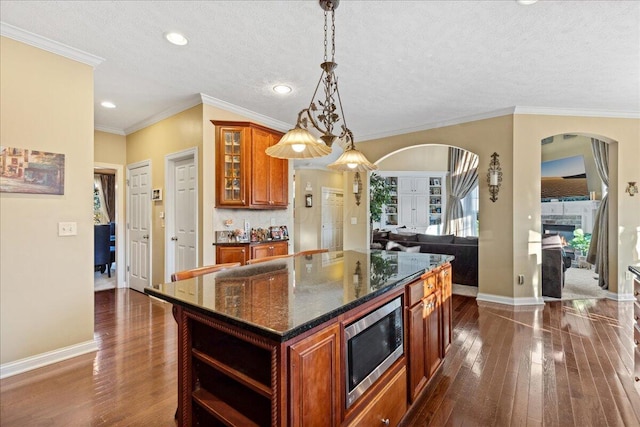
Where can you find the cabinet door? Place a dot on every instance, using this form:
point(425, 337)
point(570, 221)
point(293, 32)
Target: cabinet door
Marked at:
point(231, 166)
point(314, 384)
point(446, 306)
point(269, 175)
point(421, 185)
point(432, 332)
point(261, 251)
point(417, 342)
point(226, 254)
point(421, 202)
point(278, 178)
point(280, 248)
point(260, 162)
point(406, 210)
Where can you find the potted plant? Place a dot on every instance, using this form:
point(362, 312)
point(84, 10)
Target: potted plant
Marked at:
point(580, 242)
point(379, 195)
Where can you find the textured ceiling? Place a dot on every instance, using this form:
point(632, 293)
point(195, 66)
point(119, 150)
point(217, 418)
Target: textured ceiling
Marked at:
point(403, 65)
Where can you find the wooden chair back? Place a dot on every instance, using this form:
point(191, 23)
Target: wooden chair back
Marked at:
point(199, 271)
point(268, 258)
point(312, 251)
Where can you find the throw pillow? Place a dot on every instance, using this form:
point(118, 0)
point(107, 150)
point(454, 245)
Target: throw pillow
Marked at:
point(430, 238)
point(393, 246)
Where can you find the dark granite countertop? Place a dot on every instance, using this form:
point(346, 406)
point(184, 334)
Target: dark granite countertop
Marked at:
point(282, 298)
point(248, 242)
point(635, 270)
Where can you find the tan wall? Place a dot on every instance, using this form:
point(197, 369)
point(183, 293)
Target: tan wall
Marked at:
point(624, 221)
point(434, 158)
point(481, 137)
point(174, 134)
point(109, 148)
point(308, 221)
point(46, 281)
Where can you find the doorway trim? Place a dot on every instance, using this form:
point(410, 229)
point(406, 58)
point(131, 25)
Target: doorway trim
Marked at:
point(121, 278)
point(169, 165)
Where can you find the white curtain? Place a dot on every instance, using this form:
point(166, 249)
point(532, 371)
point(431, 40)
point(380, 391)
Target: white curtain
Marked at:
point(104, 215)
point(463, 176)
point(599, 248)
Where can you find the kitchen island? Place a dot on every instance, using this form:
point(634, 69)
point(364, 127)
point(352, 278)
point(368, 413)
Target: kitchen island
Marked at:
point(265, 344)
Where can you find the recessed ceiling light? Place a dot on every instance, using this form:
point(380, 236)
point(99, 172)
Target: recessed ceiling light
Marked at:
point(526, 2)
point(176, 38)
point(108, 104)
point(283, 89)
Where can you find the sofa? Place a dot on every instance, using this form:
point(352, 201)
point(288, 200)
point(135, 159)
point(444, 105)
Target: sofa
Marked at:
point(464, 249)
point(554, 263)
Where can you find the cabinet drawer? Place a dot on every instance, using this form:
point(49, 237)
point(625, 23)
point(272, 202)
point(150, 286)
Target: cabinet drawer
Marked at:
point(636, 313)
point(389, 405)
point(415, 293)
point(636, 288)
point(430, 282)
point(636, 337)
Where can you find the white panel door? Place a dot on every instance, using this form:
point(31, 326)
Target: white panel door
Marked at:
point(184, 210)
point(332, 219)
point(139, 230)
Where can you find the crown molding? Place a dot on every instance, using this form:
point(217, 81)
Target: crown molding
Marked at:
point(15, 33)
point(265, 120)
point(109, 129)
point(436, 125)
point(179, 108)
point(546, 111)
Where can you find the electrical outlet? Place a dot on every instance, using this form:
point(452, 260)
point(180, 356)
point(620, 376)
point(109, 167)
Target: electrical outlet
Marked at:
point(354, 220)
point(67, 229)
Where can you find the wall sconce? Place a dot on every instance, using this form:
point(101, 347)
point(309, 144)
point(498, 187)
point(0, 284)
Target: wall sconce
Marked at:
point(357, 280)
point(357, 187)
point(494, 177)
point(632, 188)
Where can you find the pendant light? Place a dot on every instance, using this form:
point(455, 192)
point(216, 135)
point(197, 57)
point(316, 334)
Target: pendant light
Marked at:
point(299, 143)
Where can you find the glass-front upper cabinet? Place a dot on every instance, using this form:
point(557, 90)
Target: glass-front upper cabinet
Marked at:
point(231, 165)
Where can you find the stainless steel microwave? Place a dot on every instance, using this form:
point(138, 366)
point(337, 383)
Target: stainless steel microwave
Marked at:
point(373, 343)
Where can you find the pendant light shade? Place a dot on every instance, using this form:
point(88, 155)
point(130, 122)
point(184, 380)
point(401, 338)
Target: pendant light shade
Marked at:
point(323, 113)
point(298, 143)
point(352, 160)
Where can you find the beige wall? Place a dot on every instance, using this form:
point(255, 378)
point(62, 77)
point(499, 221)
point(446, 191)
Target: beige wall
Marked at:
point(109, 148)
point(433, 158)
point(174, 134)
point(510, 227)
point(46, 281)
point(481, 137)
point(307, 221)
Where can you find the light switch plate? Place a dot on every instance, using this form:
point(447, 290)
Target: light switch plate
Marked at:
point(67, 229)
point(354, 220)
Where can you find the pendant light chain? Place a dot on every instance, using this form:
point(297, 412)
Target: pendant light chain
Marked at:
point(325, 36)
point(333, 35)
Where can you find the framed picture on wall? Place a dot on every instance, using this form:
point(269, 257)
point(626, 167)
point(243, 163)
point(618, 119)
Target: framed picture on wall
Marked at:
point(308, 200)
point(156, 194)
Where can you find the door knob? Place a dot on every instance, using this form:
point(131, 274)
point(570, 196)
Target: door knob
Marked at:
point(174, 238)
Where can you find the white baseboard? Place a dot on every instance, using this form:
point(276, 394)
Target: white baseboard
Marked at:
point(620, 297)
point(509, 301)
point(44, 359)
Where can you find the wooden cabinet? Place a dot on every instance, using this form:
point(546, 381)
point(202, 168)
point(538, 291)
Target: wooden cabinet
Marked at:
point(425, 329)
point(269, 249)
point(246, 177)
point(314, 386)
point(388, 406)
point(269, 175)
point(236, 253)
point(222, 387)
point(444, 283)
point(242, 252)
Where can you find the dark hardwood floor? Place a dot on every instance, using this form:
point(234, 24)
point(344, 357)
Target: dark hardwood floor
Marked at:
point(567, 364)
